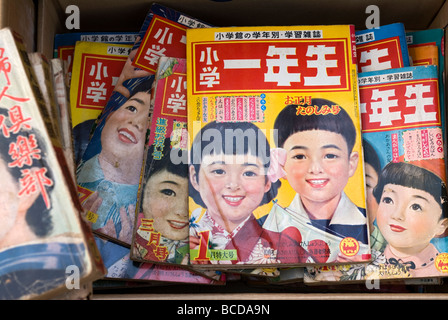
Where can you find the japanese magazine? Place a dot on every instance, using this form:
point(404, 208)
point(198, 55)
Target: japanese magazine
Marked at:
point(41, 67)
point(433, 37)
point(264, 102)
point(95, 71)
point(51, 111)
point(405, 178)
point(109, 171)
point(382, 48)
point(62, 100)
point(64, 45)
point(424, 55)
point(165, 36)
point(45, 249)
point(121, 267)
point(161, 221)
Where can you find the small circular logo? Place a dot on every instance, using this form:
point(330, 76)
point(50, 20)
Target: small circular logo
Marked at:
point(349, 246)
point(442, 262)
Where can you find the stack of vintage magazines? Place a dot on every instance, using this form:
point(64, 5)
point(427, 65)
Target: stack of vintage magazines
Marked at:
point(46, 249)
point(194, 154)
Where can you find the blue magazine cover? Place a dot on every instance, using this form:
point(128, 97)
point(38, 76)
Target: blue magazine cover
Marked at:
point(382, 48)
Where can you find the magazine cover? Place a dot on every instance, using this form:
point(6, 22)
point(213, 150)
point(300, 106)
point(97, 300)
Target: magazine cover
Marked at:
point(382, 48)
point(275, 154)
point(121, 267)
point(165, 36)
point(424, 55)
point(161, 221)
point(42, 243)
point(433, 37)
point(96, 69)
point(42, 70)
point(109, 171)
point(64, 45)
point(65, 120)
point(405, 178)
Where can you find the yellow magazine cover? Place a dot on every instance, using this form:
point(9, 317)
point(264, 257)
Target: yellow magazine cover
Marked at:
point(95, 71)
point(426, 54)
point(275, 156)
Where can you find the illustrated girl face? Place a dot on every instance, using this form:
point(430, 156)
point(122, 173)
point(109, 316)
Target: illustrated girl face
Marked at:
point(9, 200)
point(13, 208)
point(165, 200)
point(231, 187)
point(409, 218)
point(125, 129)
point(371, 181)
point(318, 165)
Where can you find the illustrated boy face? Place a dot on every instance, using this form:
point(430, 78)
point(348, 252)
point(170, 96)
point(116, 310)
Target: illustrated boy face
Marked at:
point(230, 188)
point(409, 218)
point(165, 200)
point(124, 131)
point(318, 165)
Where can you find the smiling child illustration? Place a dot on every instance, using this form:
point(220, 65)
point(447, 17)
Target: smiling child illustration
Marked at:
point(412, 211)
point(111, 176)
point(319, 161)
point(229, 181)
point(162, 231)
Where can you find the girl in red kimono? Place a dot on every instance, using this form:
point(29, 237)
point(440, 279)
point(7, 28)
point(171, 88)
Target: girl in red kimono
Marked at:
point(229, 179)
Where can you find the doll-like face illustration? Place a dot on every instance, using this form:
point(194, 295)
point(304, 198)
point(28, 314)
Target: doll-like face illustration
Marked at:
point(409, 218)
point(318, 165)
point(165, 200)
point(230, 188)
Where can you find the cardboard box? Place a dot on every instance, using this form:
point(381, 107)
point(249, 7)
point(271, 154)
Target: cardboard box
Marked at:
point(19, 15)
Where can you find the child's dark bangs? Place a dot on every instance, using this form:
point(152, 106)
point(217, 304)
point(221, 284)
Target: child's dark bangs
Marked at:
point(415, 177)
point(289, 122)
point(232, 139)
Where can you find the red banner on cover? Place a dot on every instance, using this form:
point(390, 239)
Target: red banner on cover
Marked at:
point(163, 38)
point(98, 74)
point(409, 104)
point(264, 66)
point(379, 55)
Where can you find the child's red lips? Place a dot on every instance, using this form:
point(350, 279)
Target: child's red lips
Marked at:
point(127, 136)
point(317, 183)
point(178, 224)
point(396, 228)
point(233, 200)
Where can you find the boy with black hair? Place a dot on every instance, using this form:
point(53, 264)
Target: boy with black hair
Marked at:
point(320, 159)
